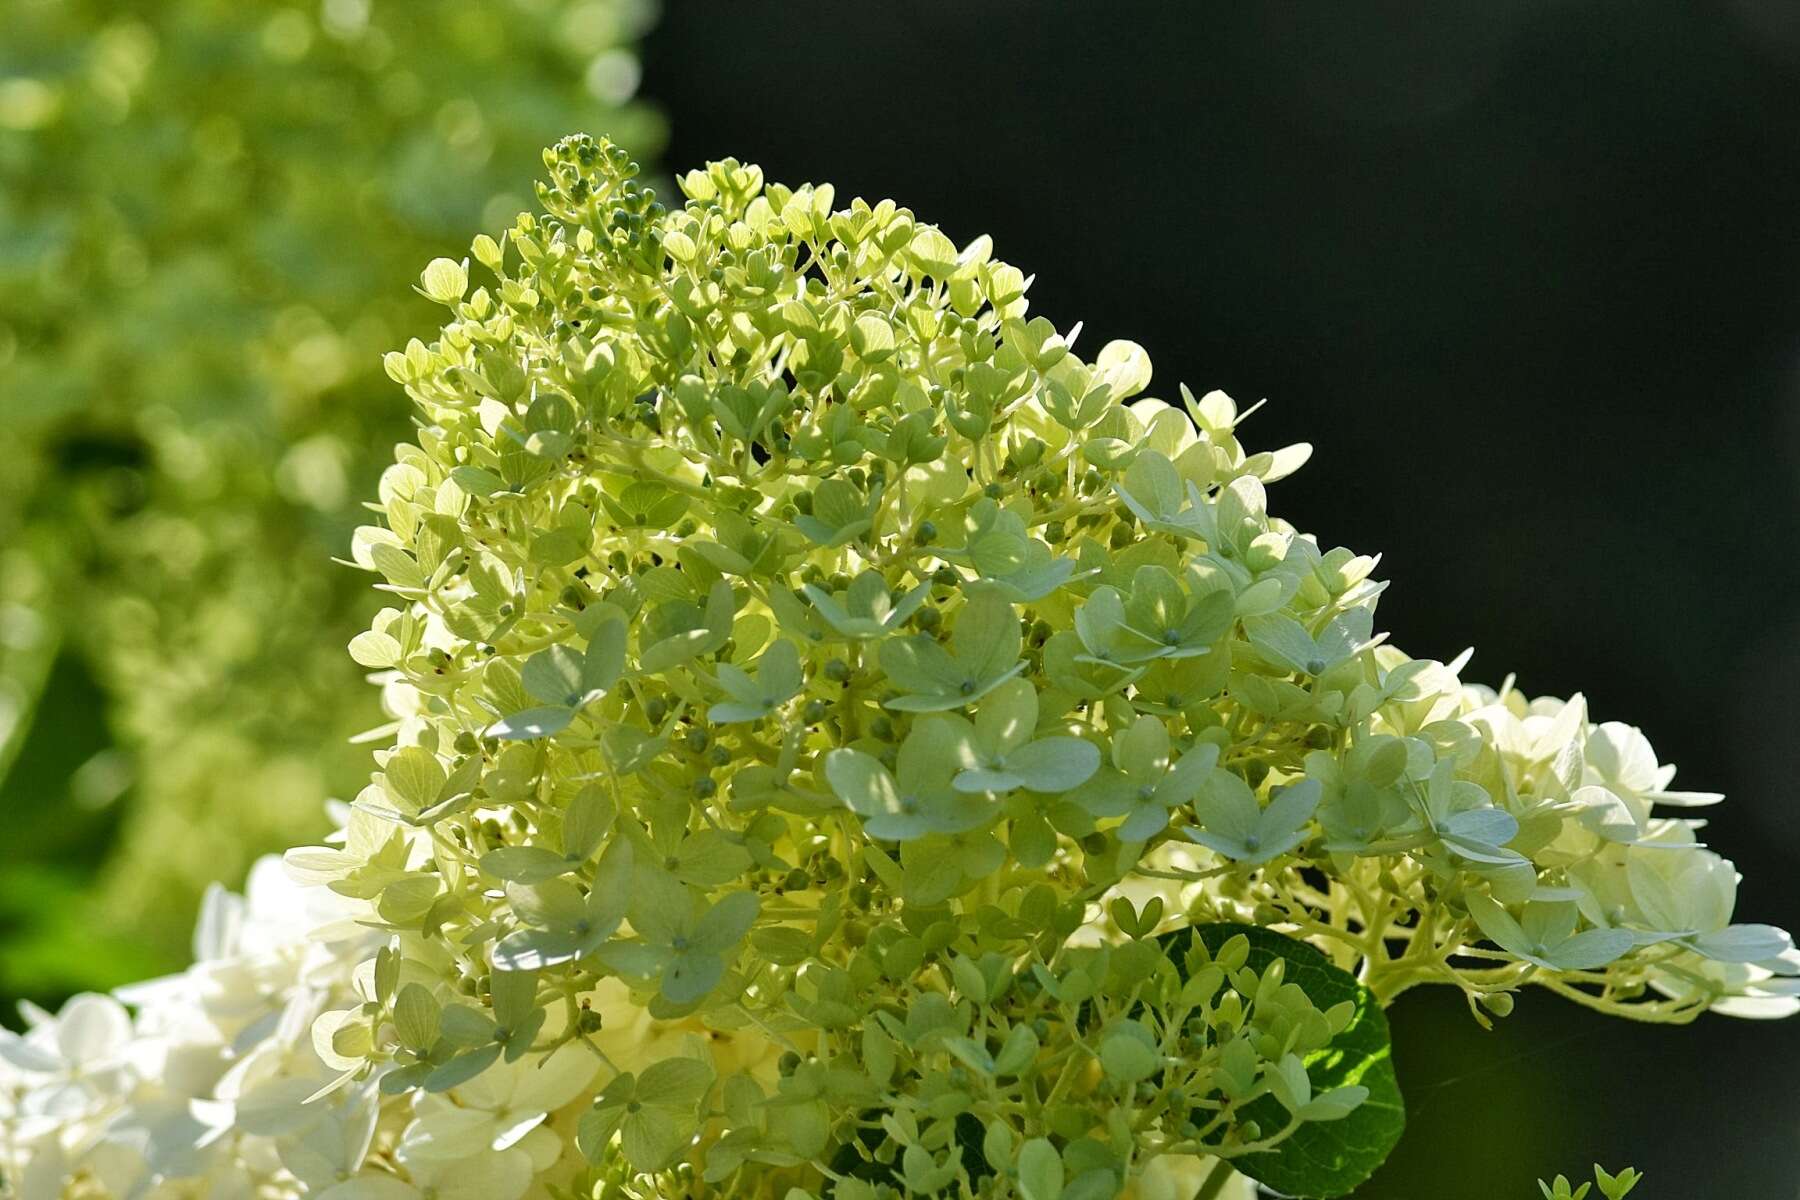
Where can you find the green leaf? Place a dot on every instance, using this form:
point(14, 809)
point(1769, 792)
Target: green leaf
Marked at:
point(605, 657)
point(416, 1015)
point(1615, 1187)
point(778, 678)
point(986, 638)
point(536, 949)
point(477, 481)
point(655, 1115)
point(550, 904)
point(840, 514)
point(375, 650)
point(1124, 367)
point(532, 723)
point(867, 610)
point(1546, 936)
point(587, 819)
point(525, 864)
point(665, 1114)
point(713, 632)
point(597, 1126)
point(1327, 1158)
point(1018, 1052)
point(1006, 718)
point(1153, 490)
point(709, 859)
point(514, 995)
point(726, 922)
point(464, 1067)
point(675, 1083)
point(1032, 841)
point(970, 1139)
point(1285, 641)
point(414, 777)
point(919, 665)
point(654, 1137)
point(921, 800)
point(983, 654)
point(862, 783)
point(1054, 764)
point(932, 253)
point(1127, 1058)
point(444, 280)
point(1040, 1171)
point(461, 1025)
point(1232, 824)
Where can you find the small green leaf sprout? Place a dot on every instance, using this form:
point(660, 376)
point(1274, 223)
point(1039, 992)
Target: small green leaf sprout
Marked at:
point(1612, 1187)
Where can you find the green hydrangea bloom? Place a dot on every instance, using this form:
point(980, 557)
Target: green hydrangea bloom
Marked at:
point(201, 205)
point(896, 757)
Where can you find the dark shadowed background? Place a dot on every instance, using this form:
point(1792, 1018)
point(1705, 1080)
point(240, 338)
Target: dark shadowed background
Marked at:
point(1527, 275)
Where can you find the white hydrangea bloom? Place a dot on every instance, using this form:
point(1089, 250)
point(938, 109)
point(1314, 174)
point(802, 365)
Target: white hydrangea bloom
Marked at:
point(1599, 786)
point(588, 930)
point(209, 1083)
point(226, 1080)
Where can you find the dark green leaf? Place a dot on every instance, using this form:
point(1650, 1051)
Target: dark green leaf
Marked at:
point(1326, 1158)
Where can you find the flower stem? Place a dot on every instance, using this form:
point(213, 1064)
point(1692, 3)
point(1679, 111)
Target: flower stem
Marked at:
point(1216, 1181)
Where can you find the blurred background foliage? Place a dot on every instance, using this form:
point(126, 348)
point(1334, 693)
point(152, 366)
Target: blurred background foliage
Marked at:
point(1527, 272)
point(209, 212)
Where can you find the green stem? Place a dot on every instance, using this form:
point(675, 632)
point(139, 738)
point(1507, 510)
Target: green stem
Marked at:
point(1216, 1181)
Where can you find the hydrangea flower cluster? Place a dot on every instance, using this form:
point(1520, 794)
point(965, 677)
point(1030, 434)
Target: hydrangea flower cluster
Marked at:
point(849, 745)
point(204, 1089)
point(204, 207)
point(202, 1082)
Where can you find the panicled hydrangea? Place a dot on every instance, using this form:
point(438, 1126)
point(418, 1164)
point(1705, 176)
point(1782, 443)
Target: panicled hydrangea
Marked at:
point(848, 746)
point(210, 1082)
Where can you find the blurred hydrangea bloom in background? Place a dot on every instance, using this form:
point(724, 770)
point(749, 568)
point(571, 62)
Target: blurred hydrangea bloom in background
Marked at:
point(202, 204)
